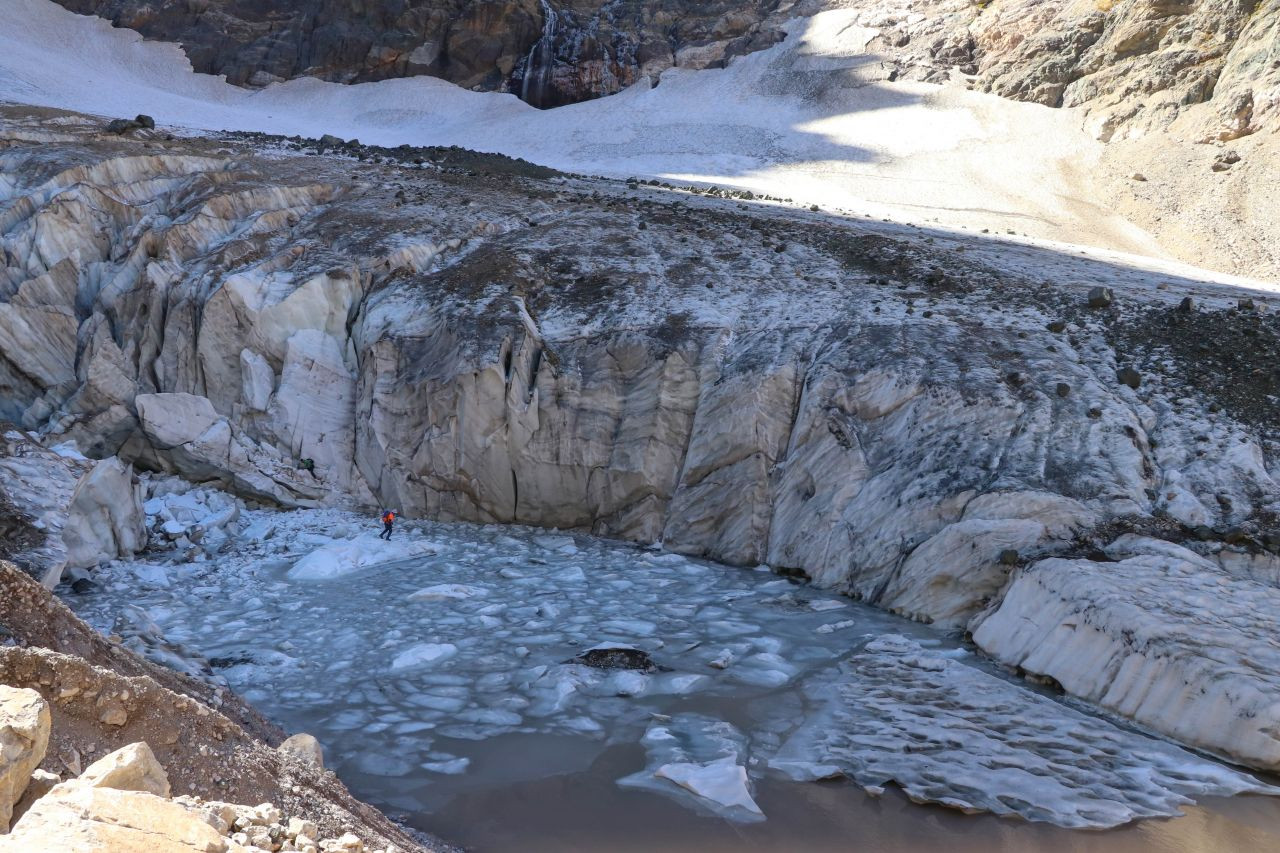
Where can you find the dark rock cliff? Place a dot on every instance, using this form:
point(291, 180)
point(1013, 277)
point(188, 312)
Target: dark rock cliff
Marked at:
point(548, 53)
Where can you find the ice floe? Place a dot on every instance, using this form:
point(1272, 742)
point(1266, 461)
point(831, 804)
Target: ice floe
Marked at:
point(691, 754)
point(951, 734)
point(347, 557)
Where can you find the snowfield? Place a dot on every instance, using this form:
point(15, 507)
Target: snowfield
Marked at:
point(801, 120)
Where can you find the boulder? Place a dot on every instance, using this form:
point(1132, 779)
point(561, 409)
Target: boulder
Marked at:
point(171, 420)
point(1129, 376)
point(122, 126)
point(304, 748)
point(130, 768)
point(1101, 297)
point(89, 819)
point(24, 737)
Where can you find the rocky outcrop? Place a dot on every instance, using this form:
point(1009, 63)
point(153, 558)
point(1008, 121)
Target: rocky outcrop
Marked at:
point(1132, 66)
point(548, 53)
point(903, 415)
point(122, 804)
point(24, 737)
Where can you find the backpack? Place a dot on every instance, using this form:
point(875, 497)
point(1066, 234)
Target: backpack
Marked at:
point(388, 517)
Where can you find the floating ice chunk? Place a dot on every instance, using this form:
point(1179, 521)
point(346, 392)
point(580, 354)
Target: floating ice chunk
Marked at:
point(634, 627)
point(723, 782)
point(573, 574)
point(491, 716)
point(832, 627)
point(823, 604)
point(560, 544)
point(348, 556)
point(627, 683)
point(679, 684)
point(699, 760)
point(979, 743)
point(377, 764)
point(454, 767)
point(151, 575)
point(442, 591)
point(438, 702)
point(423, 654)
point(583, 724)
point(764, 670)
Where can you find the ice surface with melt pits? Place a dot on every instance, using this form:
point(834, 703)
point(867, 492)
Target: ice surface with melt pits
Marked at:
point(449, 657)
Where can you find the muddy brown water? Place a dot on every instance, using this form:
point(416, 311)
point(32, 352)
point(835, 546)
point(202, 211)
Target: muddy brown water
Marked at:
point(574, 808)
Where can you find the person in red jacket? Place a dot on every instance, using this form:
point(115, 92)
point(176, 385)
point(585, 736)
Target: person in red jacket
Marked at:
point(388, 518)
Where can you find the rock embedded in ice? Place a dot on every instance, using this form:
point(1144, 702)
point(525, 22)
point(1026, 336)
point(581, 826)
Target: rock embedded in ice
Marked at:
point(423, 654)
point(951, 734)
point(617, 656)
point(1164, 640)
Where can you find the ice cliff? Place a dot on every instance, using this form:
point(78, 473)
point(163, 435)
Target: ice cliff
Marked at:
point(933, 422)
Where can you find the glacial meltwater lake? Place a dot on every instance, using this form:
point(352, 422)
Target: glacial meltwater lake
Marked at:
point(440, 673)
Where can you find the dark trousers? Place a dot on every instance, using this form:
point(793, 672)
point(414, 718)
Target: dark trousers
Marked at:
point(386, 531)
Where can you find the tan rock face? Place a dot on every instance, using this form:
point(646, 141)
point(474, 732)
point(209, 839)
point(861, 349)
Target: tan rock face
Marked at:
point(1132, 66)
point(121, 804)
point(75, 816)
point(24, 736)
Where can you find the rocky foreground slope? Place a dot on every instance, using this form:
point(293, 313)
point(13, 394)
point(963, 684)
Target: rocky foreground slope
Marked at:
point(79, 707)
point(951, 427)
point(124, 802)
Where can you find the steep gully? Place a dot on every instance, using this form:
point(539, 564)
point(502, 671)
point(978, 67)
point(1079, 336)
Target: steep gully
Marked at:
point(936, 424)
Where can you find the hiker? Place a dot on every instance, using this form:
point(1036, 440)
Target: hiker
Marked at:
point(308, 465)
point(388, 518)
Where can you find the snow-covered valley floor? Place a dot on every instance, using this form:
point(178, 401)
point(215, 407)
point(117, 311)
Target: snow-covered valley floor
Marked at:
point(439, 673)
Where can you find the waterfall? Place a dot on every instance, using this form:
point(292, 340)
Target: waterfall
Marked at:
point(537, 66)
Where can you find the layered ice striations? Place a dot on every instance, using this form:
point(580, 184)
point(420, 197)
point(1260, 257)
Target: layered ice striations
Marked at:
point(1163, 638)
point(951, 734)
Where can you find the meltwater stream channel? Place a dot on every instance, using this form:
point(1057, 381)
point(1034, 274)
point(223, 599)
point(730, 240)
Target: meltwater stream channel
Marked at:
point(441, 673)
